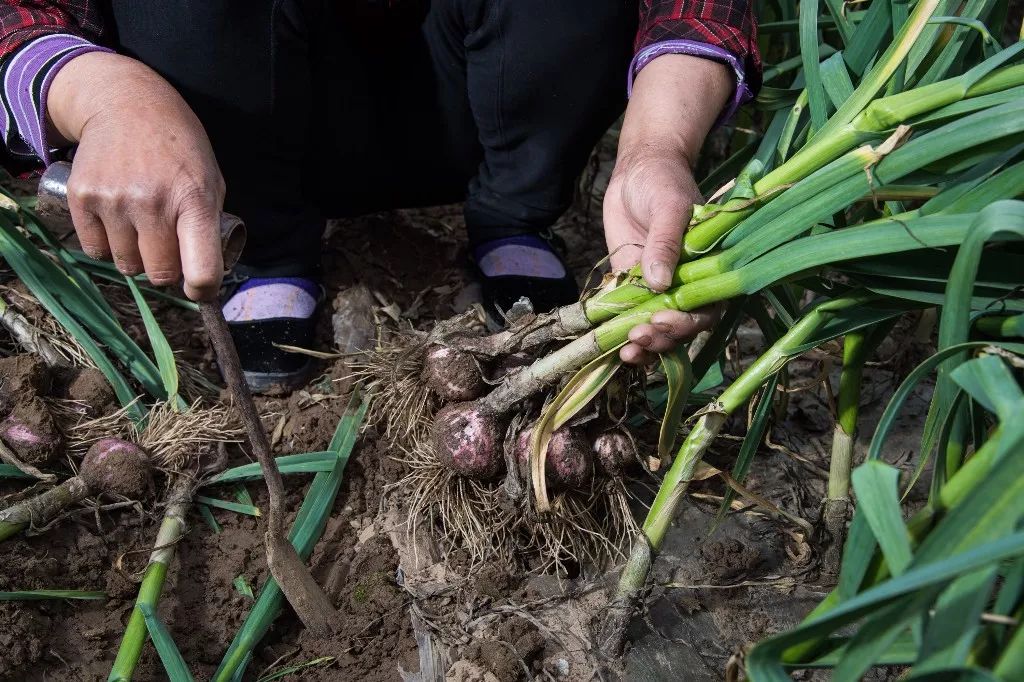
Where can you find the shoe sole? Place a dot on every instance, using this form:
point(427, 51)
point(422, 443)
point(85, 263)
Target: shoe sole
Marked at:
point(276, 383)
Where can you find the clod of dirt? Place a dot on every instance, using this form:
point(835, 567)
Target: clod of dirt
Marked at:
point(467, 441)
point(90, 388)
point(120, 586)
point(30, 431)
point(465, 671)
point(729, 559)
point(119, 467)
point(21, 377)
point(452, 374)
point(511, 654)
point(494, 581)
point(352, 321)
point(22, 639)
point(373, 589)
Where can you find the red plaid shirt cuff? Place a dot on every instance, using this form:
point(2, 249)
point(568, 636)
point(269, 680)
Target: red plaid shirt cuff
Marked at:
point(722, 30)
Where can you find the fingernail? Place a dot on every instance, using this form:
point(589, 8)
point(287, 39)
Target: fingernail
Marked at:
point(663, 327)
point(644, 340)
point(661, 276)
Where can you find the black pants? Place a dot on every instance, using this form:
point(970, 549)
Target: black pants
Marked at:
point(318, 110)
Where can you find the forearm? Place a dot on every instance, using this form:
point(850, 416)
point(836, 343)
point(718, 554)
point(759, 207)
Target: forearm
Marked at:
point(675, 102)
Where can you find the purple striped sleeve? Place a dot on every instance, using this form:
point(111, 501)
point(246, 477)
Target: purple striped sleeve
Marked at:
point(27, 75)
point(741, 93)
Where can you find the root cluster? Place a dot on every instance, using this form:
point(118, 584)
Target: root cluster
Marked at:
point(170, 436)
point(489, 519)
point(584, 528)
point(403, 405)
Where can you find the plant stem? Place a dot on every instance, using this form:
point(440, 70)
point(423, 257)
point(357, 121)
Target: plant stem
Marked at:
point(620, 611)
point(801, 255)
point(678, 477)
point(840, 465)
point(704, 432)
point(557, 325)
point(29, 337)
point(673, 487)
point(848, 406)
point(837, 138)
point(817, 197)
point(957, 489)
point(43, 508)
point(172, 529)
point(542, 372)
point(879, 116)
point(837, 498)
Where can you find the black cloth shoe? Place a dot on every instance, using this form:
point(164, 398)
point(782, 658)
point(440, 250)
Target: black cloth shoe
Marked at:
point(268, 369)
point(496, 264)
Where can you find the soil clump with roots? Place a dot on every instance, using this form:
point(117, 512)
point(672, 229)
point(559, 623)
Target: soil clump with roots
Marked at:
point(89, 388)
point(21, 375)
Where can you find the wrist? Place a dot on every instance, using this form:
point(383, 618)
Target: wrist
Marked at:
point(89, 84)
point(675, 101)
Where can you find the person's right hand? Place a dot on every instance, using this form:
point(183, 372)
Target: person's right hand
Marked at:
point(652, 191)
point(145, 188)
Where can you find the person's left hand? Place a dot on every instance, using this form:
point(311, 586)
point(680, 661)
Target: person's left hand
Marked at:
point(652, 191)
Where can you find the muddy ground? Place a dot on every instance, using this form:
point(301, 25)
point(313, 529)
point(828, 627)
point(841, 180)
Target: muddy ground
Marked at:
point(718, 585)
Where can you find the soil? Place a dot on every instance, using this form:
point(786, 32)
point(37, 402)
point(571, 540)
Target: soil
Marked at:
point(720, 584)
point(89, 388)
point(516, 648)
point(202, 608)
point(23, 375)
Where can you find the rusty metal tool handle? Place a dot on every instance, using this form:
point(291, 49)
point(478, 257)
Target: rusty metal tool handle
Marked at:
point(53, 207)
